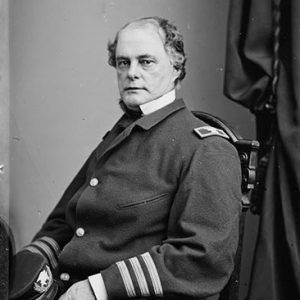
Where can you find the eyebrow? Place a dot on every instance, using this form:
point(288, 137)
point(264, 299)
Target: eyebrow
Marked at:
point(146, 56)
point(143, 56)
point(121, 57)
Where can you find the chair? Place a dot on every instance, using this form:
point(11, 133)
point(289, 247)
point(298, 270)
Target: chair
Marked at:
point(247, 150)
point(6, 252)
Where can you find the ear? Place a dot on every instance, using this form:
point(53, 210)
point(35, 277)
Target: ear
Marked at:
point(176, 74)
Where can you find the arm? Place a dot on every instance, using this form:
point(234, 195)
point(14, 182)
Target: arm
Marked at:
point(44, 250)
point(196, 258)
point(56, 232)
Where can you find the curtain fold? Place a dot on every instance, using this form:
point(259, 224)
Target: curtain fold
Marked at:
point(249, 75)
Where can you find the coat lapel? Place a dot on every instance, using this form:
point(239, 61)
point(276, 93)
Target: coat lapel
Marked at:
point(114, 141)
point(118, 134)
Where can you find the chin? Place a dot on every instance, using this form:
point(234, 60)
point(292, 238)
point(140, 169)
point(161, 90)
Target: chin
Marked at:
point(134, 100)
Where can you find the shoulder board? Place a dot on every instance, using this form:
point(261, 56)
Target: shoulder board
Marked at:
point(206, 131)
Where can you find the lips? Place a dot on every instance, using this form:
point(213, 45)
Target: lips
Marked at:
point(133, 88)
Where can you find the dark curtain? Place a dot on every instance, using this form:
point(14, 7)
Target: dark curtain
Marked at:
point(255, 29)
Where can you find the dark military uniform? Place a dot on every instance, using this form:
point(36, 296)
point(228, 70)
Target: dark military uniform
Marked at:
point(155, 209)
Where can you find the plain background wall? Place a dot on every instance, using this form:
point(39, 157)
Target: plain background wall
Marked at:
point(4, 117)
point(64, 95)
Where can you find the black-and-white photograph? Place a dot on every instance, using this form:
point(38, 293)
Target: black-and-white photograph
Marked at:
point(149, 149)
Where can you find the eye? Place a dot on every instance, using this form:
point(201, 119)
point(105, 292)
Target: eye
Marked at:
point(146, 62)
point(122, 64)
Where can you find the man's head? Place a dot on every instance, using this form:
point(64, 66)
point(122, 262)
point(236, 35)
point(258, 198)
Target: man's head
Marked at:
point(149, 57)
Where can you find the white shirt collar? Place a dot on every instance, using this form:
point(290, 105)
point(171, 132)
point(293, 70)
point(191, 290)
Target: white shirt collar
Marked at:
point(149, 107)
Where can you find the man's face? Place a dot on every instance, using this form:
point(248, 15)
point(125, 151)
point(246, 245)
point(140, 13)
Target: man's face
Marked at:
point(143, 66)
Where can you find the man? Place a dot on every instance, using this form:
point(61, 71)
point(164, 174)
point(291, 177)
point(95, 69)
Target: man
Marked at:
point(154, 211)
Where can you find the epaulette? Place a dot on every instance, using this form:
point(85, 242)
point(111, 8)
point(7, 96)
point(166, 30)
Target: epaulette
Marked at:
point(206, 131)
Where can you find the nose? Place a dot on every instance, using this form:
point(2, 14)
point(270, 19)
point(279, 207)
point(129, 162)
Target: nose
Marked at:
point(133, 71)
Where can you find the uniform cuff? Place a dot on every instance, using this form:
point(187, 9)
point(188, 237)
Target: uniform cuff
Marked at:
point(134, 277)
point(98, 286)
point(46, 246)
point(113, 282)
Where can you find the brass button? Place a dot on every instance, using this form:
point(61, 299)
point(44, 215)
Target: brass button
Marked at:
point(65, 276)
point(94, 182)
point(80, 232)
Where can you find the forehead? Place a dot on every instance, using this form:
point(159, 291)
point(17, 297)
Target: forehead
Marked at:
point(140, 40)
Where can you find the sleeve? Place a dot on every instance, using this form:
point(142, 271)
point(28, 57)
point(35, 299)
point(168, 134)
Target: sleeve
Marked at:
point(197, 256)
point(98, 287)
point(56, 232)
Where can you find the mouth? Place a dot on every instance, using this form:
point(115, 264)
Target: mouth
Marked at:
point(133, 89)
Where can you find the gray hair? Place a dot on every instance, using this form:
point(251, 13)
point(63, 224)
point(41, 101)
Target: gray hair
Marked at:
point(173, 43)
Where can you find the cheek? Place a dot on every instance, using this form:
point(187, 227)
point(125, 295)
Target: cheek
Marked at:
point(157, 75)
point(121, 78)
point(160, 77)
